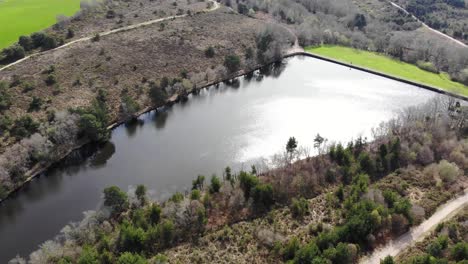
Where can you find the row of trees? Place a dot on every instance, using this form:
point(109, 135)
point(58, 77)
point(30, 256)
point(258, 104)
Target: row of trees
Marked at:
point(25, 44)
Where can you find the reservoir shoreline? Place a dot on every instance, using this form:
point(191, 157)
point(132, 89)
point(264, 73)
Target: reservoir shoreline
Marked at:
point(39, 169)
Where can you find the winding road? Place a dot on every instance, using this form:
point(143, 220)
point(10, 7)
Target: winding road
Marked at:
point(416, 234)
point(215, 6)
point(428, 27)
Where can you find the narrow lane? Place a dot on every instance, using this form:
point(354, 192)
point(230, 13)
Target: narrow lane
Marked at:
point(444, 213)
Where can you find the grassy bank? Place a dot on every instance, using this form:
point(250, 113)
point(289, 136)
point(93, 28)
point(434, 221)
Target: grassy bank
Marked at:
point(387, 65)
point(23, 17)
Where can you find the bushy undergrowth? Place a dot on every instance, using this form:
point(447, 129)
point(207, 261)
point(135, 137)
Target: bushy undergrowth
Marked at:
point(367, 208)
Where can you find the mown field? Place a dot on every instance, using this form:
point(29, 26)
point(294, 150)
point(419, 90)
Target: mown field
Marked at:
point(389, 66)
point(22, 17)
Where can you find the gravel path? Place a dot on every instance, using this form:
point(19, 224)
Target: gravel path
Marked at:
point(418, 233)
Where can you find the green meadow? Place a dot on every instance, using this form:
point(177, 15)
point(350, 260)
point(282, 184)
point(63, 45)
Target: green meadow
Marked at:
point(23, 17)
point(390, 66)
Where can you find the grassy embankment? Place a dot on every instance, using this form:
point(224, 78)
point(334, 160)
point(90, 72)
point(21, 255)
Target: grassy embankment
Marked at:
point(390, 66)
point(23, 17)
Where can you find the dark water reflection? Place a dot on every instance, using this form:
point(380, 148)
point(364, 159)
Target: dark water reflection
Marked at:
point(234, 124)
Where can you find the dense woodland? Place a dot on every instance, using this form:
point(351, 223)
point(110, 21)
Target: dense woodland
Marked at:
point(367, 190)
point(448, 16)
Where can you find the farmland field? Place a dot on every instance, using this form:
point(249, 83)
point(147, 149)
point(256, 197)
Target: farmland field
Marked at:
point(23, 17)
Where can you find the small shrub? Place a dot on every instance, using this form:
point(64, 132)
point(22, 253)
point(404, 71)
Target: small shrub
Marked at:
point(434, 249)
point(448, 171)
point(242, 9)
point(5, 96)
point(38, 39)
point(177, 197)
point(215, 184)
point(13, 53)
point(195, 195)
point(128, 105)
point(290, 248)
point(27, 87)
point(247, 182)
point(299, 207)
point(96, 38)
point(5, 123)
point(93, 127)
point(198, 182)
point(387, 260)
point(110, 14)
point(140, 193)
point(26, 42)
point(49, 70)
point(161, 259)
point(184, 74)
point(207, 200)
point(49, 42)
point(459, 252)
point(131, 238)
point(262, 195)
point(232, 63)
point(167, 232)
point(157, 93)
point(154, 214)
point(130, 258)
point(24, 127)
point(249, 53)
point(88, 255)
point(70, 33)
point(210, 52)
point(116, 199)
point(35, 104)
point(51, 79)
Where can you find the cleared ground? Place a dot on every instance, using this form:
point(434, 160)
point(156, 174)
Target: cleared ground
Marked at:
point(389, 66)
point(23, 17)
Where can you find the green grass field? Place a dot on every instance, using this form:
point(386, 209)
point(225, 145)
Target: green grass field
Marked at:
point(23, 17)
point(387, 65)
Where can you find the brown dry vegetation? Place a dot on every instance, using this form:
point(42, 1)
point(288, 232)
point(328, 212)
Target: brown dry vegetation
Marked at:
point(123, 60)
point(96, 18)
point(119, 71)
point(419, 159)
point(253, 241)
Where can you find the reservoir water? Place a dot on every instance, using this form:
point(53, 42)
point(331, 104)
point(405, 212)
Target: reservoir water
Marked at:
point(233, 125)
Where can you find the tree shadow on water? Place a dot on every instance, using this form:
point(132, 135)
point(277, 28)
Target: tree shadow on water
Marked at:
point(132, 126)
point(101, 157)
point(160, 119)
point(273, 70)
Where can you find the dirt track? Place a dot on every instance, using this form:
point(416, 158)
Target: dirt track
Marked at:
point(428, 27)
point(146, 23)
point(418, 233)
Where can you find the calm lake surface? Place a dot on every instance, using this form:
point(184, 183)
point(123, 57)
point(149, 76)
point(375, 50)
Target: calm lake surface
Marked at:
point(228, 125)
